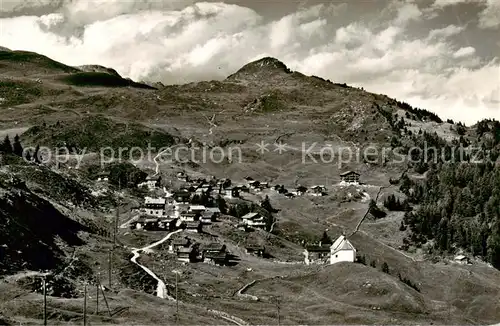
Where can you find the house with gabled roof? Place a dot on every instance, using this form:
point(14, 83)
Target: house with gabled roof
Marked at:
point(216, 258)
point(210, 215)
point(195, 226)
point(154, 206)
point(231, 192)
point(214, 247)
point(215, 253)
point(177, 243)
point(188, 254)
point(182, 197)
point(350, 177)
point(300, 191)
point(317, 190)
point(146, 222)
point(462, 259)
point(103, 176)
point(257, 250)
point(315, 254)
point(203, 189)
point(189, 217)
point(254, 184)
point(264, 185)
point(167, 223)
point(342, 250)
point(197, 208)
point(151, 182)
point(254, 220)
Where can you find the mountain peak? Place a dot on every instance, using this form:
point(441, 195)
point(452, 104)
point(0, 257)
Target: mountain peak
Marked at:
point(267, 62)
point(261, 68)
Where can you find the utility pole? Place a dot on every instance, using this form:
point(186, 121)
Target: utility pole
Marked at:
point(104, 296)
point(176, 297)
point(44, 283)
point(115, 224)
point(110, 262)
point(97, 295)
point(278, 310)
point(85, 305)
point(115, 231)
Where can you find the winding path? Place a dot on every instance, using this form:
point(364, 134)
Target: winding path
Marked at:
point(161, 289)
point(127, 223)
point(157, 168)
point(240, 293)
point(367, 211)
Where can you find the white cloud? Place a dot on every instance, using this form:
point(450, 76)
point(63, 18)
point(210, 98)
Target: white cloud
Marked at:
point(15, 5)
point(446, 32)
point(489, 17)
point(212, 40)
point(464, 52)
point(446, 3)
point(407, 13)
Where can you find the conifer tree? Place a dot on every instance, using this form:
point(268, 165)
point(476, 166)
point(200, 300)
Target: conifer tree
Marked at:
point(325, 239)
point(17, 148)
point(36, 154)
point(6, 145)
point(385, 268)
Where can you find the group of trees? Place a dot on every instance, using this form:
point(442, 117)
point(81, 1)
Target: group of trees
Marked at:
point(15, 148)
point(458, 203)
point(459, 206)
point(393, 203)
point(461, 129)
point(126, 175)
point(408, 282)
point(419, 114)
point(375, 211)
point(492, 127)
point(12, 148)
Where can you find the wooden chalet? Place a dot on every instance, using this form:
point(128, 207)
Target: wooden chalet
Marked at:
point(350, 177)
point(194, 227)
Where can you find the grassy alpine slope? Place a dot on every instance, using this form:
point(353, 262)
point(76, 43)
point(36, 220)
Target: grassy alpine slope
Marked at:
point(408, 277)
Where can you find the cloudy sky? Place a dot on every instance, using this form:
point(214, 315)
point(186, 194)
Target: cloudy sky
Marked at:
point(441, 55)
